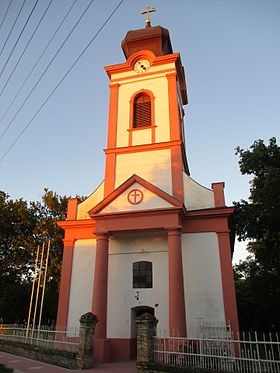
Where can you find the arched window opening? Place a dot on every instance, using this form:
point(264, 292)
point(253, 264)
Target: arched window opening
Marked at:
point(142, 275)
point(142, 111)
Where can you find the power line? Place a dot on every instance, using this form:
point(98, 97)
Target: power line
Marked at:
point(18, 38)
point(15, 21)
point(62, 79)
point(5, 15)
point(46, 69)
point(38, 60)
point(22, 54)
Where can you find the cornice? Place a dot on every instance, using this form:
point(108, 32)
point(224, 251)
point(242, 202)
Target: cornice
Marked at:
point(210, 213)
point(138, 213)
point(83, 223)
point(144, 147)
point(144, 54)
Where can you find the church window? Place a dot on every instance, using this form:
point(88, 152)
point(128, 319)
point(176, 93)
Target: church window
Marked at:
point(142, 275)
point(142, 111)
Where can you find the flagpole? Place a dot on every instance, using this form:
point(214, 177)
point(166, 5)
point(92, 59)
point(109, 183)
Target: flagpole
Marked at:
point(38, 289)
point(32, 291)
point(44, 285)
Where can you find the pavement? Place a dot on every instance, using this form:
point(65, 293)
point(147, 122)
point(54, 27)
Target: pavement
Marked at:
point(24, 365)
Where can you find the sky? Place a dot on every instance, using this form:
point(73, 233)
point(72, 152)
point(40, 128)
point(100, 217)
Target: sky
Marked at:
point(230, 51)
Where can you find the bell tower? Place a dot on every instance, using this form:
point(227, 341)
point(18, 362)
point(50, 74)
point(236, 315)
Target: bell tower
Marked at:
point(146, 115)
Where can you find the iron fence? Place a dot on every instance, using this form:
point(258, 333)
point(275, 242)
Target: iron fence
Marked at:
point(246, 353)
point(47, 337)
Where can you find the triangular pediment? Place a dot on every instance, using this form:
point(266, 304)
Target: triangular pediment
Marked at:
point(135, 194)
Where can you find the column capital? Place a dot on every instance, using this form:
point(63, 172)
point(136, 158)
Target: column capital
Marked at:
point(171, 75)
point(224, 233)
point(114, 85)
point(174, 231)
point(101, 235)
point(68, 241)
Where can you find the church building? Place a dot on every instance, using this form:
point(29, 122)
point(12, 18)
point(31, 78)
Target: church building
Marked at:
point(149, 238)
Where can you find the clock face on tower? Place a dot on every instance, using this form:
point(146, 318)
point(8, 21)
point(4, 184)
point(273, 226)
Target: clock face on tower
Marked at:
point(142, 66)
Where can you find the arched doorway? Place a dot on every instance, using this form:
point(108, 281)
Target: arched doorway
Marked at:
point(136, 312)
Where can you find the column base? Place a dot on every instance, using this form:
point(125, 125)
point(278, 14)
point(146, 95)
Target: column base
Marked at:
point(102, 350)
point(123, 349)
point(115, 349)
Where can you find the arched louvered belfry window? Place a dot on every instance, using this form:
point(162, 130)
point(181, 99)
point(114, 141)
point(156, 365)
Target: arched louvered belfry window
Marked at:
point(142, 116)
point(142, 275)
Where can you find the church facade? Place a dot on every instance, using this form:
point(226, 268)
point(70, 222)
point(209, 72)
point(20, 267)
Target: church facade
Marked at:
point(149, 238)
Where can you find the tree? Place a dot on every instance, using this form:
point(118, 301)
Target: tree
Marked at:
point(258, 278)
point(24, 226)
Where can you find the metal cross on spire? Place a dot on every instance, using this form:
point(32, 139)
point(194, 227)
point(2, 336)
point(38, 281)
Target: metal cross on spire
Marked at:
point(148, 10)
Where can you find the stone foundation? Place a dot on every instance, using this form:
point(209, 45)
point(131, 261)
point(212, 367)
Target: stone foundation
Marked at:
point(63, 359)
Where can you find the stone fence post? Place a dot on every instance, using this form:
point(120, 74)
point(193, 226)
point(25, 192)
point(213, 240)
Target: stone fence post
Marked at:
point(146, 330)
point(84, 357)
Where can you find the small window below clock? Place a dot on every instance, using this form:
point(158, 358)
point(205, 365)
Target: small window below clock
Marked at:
point(142, 111)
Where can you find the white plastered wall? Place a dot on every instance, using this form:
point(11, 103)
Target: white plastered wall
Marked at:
point(124, 250)
point(143, 136)
point(90, 202)
point(202, 280)
point(153, 166)
point(81, 289)
point(197, 196)
point(150, 201)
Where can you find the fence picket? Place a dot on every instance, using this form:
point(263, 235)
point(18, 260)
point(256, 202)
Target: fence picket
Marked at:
point(49, 337)
point(246, 354)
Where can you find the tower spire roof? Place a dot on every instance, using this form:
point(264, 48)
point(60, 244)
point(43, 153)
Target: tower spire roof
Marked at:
point(153, 38)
